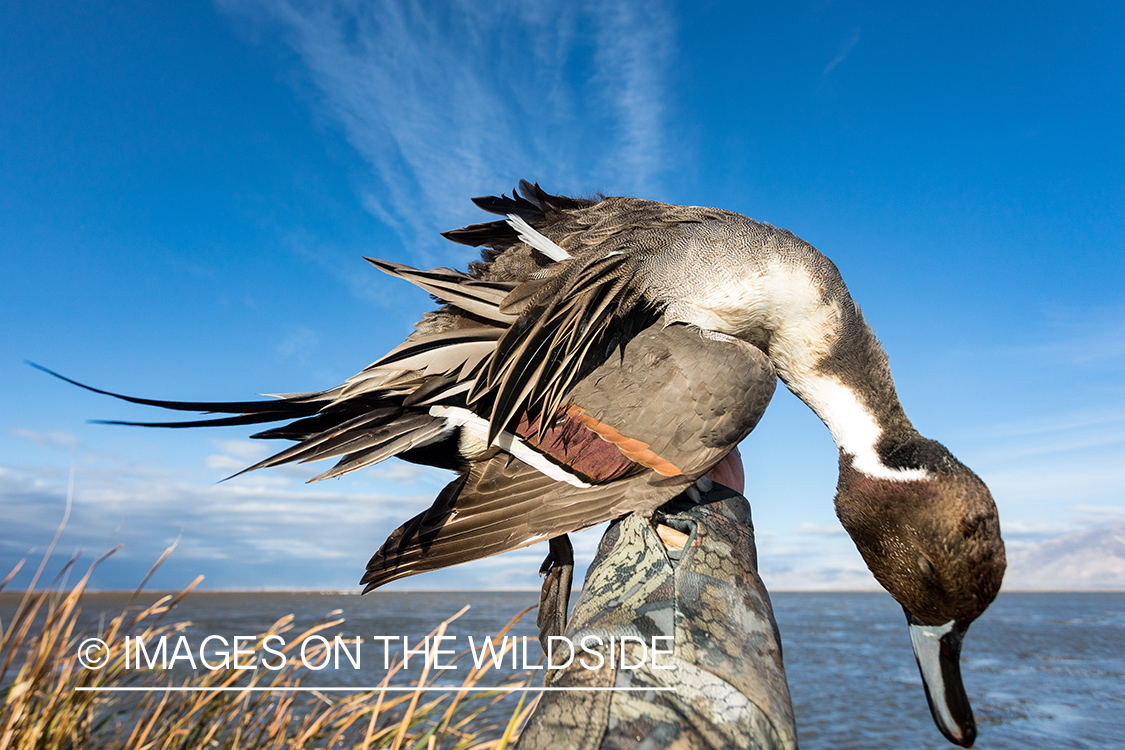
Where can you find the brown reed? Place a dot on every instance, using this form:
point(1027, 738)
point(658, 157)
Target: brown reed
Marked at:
point(50, 701)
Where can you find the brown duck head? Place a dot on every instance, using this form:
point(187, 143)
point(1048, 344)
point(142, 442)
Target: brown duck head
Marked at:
point(934, 543)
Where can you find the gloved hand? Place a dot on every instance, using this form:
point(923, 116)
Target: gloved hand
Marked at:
point(727, 673)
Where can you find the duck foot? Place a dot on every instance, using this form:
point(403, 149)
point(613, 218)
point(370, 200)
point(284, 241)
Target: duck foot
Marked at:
point(554, 598)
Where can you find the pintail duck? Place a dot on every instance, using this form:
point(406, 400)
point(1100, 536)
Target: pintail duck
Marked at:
point(600, 359)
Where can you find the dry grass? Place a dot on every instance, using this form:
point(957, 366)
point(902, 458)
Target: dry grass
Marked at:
point(45, 705)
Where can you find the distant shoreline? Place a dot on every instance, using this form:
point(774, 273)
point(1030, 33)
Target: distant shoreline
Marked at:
point(6, 596)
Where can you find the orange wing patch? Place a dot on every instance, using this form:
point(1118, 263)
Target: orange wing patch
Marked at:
point(631, 448)
point(589, 448)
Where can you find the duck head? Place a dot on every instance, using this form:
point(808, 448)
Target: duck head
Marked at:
point(933, 542)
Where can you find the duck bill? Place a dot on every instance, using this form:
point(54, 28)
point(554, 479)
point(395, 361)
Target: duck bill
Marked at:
point(937, 649)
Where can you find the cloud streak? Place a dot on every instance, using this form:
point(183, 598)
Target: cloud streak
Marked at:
point(849, 45)
point(449, 100)
point(633, 56)
point(257, 528)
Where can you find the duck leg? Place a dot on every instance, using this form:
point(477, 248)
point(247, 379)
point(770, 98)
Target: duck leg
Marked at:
point(554, 598)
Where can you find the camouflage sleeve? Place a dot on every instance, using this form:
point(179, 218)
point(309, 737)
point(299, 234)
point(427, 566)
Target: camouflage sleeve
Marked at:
point(690, 632)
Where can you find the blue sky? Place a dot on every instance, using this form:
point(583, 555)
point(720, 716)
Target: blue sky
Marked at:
point(186, 191)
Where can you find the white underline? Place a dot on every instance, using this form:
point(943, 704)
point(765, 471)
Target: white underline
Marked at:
point(363, 689)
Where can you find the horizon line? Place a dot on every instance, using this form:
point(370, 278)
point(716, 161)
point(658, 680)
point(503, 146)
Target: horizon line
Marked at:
point(340, 592)
point(388, 689)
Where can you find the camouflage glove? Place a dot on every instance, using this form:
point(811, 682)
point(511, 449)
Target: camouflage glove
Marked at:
point(730, 688)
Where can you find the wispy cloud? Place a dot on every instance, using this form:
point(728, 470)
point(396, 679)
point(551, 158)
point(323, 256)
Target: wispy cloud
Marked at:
point(298, 344)
point(1061, 448)
point(264, 530)
point(63, 441)
point(1079, 337)
point(1052, 486)
point(1089, 559)
point(816, 529)
point(633, 56)
point(812, 578)
point(849, 45)
point(243, 450)
point(1109, 417)
point(1101, 512)
point(449, 100)
point(1070, 433)
point(257, 526)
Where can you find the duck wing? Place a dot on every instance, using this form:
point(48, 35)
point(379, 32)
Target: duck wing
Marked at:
point(635, 432)
point(567, 312)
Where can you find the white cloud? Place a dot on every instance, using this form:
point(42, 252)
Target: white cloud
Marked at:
point(1027, 528)
point(56, 440)
point(252, 529)
point(236, 455)
point(1058, 482)
point(1089, 559)
point(399, 471)
point(1049, 425)
point(1102, 512)
point(225, 463)
point(634, 52)
point(1080, 337)
point(449, 100)
point(815, 529)
point(818, 579)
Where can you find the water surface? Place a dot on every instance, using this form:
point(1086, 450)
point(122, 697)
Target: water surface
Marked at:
point(1042, 670)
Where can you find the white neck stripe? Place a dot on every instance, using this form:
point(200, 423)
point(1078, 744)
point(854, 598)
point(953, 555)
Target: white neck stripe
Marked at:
point(853, 427)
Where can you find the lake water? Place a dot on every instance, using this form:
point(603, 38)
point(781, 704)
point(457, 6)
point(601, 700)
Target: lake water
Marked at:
point(1042, 670)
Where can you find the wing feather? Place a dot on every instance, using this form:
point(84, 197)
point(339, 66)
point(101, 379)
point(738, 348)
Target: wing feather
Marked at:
point(476, 297)
point(497, 506)
point(401, 439)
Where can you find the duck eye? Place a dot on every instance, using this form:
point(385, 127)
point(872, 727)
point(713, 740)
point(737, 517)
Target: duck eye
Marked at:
point(926, 566)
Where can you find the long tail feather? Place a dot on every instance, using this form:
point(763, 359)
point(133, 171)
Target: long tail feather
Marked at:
point(211, 407)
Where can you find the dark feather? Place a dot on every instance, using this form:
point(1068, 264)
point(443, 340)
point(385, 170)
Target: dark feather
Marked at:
point(479, 298)
point(372, 448)
point(217, 422)
point(321, 443)
point(489, 233)
point(211, 407)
